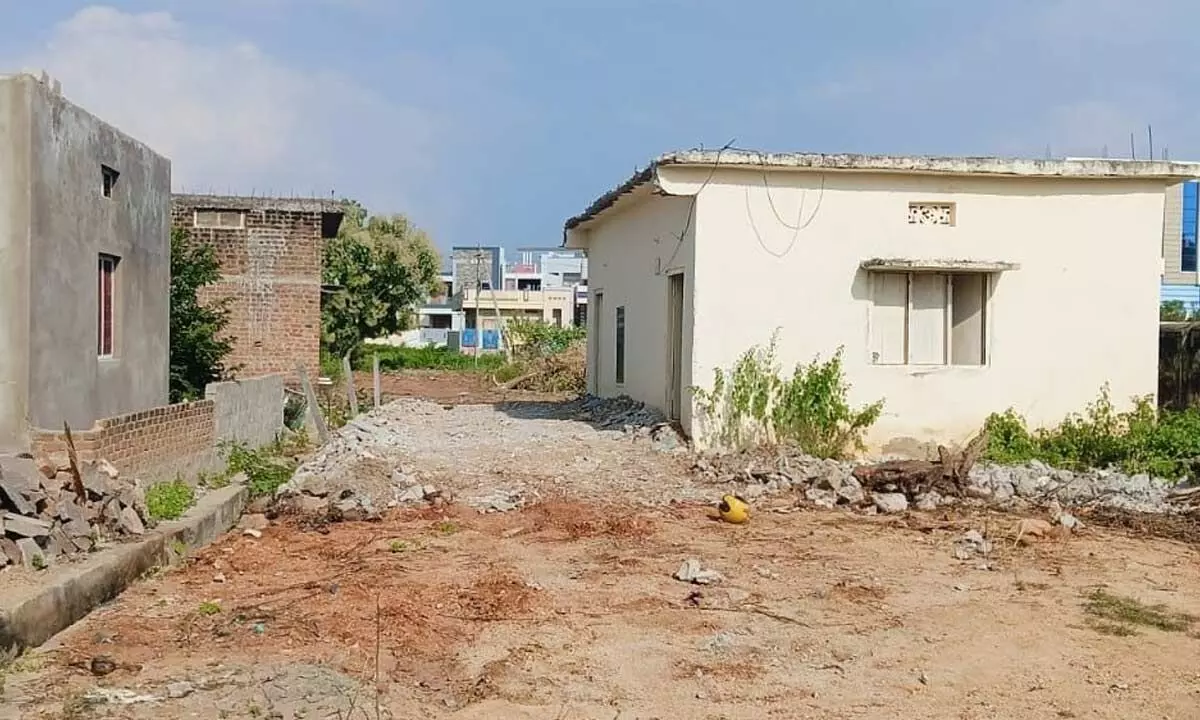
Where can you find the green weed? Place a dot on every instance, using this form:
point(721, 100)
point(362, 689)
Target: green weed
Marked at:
point(1140, 440)
point(392, 358)
point(754, 404)
point(209, 608)
point(169, 500)
point(265, 472)
point(447, 527)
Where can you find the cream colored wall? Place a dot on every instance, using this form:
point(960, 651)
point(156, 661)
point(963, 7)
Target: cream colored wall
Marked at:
point(630, 258)
point(1082, 309)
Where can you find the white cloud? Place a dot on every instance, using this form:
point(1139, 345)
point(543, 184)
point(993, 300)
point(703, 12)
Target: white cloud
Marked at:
point(231, 117)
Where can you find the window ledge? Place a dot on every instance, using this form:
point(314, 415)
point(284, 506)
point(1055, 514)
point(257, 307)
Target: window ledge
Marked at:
point(919, 370)
point(936, 265)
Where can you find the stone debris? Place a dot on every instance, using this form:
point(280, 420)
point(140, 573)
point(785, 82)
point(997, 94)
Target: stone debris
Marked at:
point(692, 572)
point(890, 502)
point(972, 545)
point(43, 517)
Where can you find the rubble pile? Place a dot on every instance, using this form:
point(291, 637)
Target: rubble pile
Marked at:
point(832, 483)
point(619, 412)
point(629, 416)
point(47, 512)
point(355, 475)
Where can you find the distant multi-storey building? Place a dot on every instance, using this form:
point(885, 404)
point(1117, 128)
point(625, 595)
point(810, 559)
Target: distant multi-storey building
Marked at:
point(1180, 280)
point(482, 290)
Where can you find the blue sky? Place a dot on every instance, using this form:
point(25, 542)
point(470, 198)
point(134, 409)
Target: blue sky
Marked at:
point(492, 122)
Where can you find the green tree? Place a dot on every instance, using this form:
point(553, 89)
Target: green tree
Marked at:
point(198, 348)
point(380, 268)
point(1174, 311)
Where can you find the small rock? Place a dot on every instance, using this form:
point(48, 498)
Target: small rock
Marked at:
point(821, 498)
point(21, 493)
point(1070, 522)
point(254, 521)
point(32, 555)
point(251, 532)
point(1033, 527)
point(178, 690)
point(219, 578)
point(102, 665)
point(890, 502)
point(851, 492)
point(130, 523)
point(1027, 487)
point(411, 494)
point(928, 502)
point(9, 549)
point(691, 572)
point(26, 526)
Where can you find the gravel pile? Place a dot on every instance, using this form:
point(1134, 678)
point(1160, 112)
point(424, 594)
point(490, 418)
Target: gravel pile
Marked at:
point(829, 483)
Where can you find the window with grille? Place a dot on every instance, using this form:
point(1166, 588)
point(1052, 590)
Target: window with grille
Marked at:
point(929, 318)
point(106, 320)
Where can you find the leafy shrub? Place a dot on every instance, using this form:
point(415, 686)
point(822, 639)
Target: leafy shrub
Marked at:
point(538, 338)
point(1139, 440)
point(810, 409)
point(169, 500)
point(264, 472)
point(392, 357)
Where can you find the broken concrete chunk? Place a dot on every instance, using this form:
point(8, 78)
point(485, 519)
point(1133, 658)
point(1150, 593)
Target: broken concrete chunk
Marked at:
point(17, 492)
point(129, 521)
point(254, 521)
point(890, 502)
point(32, 555)
point(69, 509)
point(107, 469)
point(691, 572)
point(26, 526)
point(95, 482)
point(9, 549)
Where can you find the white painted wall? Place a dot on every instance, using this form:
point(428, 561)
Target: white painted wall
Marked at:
point(1082, 309)
point(630, 258)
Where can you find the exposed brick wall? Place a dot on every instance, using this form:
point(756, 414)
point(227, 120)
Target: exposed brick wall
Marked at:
point(272, 271)
point(151, 444)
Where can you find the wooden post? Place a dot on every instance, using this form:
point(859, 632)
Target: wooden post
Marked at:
point(350, 394)
point(310, 397)
point(375, 378)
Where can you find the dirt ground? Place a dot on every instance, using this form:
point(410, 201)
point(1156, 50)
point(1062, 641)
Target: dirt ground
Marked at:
point(571, 611)
point(568, 608)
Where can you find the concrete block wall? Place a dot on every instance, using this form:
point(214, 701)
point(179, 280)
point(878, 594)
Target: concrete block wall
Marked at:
point(248, 411)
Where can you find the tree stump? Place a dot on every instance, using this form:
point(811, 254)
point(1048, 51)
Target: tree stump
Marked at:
point(948, 474)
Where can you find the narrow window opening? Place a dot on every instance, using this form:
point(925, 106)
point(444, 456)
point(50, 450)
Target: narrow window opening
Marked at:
point(105, 324)
point(108, 180)
point(620, 364)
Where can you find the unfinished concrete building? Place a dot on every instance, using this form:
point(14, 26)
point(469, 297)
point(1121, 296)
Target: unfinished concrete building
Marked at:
point(85, 266)
point(270, 253)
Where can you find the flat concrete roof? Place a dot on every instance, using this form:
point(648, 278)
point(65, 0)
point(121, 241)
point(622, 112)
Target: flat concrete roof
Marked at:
point(245, 202)
point(1078, 168)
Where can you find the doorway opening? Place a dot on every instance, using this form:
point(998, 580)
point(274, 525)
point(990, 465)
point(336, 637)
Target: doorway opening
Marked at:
point(675, 340)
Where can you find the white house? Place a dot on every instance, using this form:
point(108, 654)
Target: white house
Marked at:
point(956, 286)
